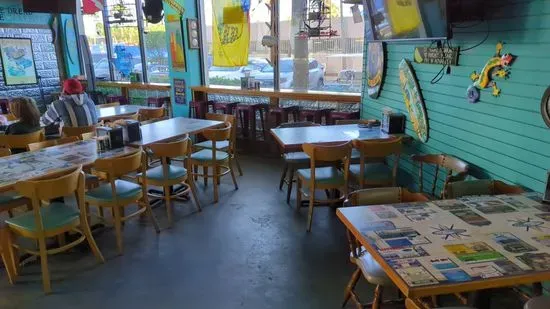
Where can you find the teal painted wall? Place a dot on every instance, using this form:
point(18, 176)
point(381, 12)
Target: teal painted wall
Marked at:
point(503, 138)
point(192, 75)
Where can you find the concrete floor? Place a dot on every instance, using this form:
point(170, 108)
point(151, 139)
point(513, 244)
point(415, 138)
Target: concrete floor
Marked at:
point(249, 251)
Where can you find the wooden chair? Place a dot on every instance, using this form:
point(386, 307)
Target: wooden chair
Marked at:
point(459, 189)
point(293, 159)
point(11, 200)
point(167, 175)
point(55, 219)
point(77, 131)
point(150, 113)
point(457, 170)
point(7, 255)
point(129, 117)
point(369, 173)
point(539, 302)
point(105, 105)
point(153, 120)
point(214, 158)
point(323, 178)
point(230, 145)
point(118, 194)
point(366, 265)
point(21, 141)
point(52, 142)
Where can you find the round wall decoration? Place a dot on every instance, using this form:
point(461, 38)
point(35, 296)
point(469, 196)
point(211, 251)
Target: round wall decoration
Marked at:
point(545, 106)
point(375, 68)
point(413, 100)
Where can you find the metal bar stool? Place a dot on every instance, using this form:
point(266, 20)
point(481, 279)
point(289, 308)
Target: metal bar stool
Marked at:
point(200, 108)
point(157, 101)
point(226, 107)
point(111, 98)
point(247, 116)
point(333, 116)
point(315, 115)
point(281, 114)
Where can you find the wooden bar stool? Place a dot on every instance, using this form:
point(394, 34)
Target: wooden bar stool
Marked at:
point(225, 107)
point(366, 265)
point(247, 116)
point(281, 114)
point(118, 194)
point(158, 101)
point(167, 175)
point(55, 219)
point(334, 116)
point(198, 109)
point(323, 178)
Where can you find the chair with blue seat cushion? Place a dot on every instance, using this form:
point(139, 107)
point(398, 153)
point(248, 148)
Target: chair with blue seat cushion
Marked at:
point(376, 174)
point(293, 159)
point(366, 265)
point(216, 159)
point(333, 175)
point(167, 175)
point(54, 219)
point(118, 194)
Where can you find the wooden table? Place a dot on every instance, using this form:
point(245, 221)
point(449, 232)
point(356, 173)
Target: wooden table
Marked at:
point(290, 138)
point(107, 113)
point(453, 246)
point(172, 128)
point(50, 160)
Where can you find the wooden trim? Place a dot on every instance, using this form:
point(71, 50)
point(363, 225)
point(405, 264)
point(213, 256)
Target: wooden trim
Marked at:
point(290, 94)
point(128, 85)
point(440, 289)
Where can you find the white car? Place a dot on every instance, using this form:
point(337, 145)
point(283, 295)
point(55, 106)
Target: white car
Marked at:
point(235, 73)
point(286, 68)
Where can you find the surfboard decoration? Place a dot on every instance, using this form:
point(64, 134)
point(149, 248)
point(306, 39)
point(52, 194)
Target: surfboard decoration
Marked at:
point(413, 100)
point(375, 68)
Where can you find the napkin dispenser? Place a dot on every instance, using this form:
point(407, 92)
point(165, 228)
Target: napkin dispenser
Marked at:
point(133, 131)
point(393, 123)
point(116, 135)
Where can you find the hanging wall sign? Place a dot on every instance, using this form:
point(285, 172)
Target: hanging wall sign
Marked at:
point(180, 91)
point(17, 61)
point(177, 51)
point(435, 55)
point(413, 100)
point(375, 68)
point(545, 106)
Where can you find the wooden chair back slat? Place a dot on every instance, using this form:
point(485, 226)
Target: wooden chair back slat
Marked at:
point(150, 113)
point(328, 152)
point(52, 142)
point(21, 141)
point(48, 187)
point(119, 166)
point(217, 135)
point(479, 187)
point(450, 164)
point(113, 104)
point(4, 152)
point(171, 150)
point(386, 195)
point(77, 131)
point(379, 148)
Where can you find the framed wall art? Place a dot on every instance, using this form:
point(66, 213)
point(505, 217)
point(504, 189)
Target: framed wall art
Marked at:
point(175, 34)
point(545, 106)
point(413, 100)
point(17, 61)
point(375, 68)
point(193, 33)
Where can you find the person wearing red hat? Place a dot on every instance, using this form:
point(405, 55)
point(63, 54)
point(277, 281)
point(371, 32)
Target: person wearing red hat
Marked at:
point(74, 107)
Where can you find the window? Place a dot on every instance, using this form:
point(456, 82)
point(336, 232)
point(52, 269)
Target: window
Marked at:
point(95, 33)
point(332, 48)
point(156, 53)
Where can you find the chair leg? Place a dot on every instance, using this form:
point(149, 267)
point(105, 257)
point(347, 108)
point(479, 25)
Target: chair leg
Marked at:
point(283, 176)
point(150, 213)
point(85, 226)
point(6, 252)
point(168, 202)
point(351, 285)
point(219, 172)
point(216, 195)
point(298, 194)
point(238, 164)
point(118, 229)
point(310, 210)
point(194, 193)
point(196, 172)
point(290, 184)
point(377, 300)
point(44, 265)
point(205, 175)
point(263, 122)
point(233, 174)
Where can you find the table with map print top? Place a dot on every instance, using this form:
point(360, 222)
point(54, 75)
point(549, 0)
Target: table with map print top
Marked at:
point(453, 246)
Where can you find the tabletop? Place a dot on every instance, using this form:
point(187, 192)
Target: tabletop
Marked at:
point(115, 111)
point(172, 128)
point(33, 164)
point(294, 137)
point(452, 246)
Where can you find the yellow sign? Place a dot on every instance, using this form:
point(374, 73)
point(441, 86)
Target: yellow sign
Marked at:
point(230, 33)
point(404, 15)
point(176, 6)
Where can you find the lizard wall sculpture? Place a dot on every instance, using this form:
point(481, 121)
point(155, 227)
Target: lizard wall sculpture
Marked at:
point(496, 67)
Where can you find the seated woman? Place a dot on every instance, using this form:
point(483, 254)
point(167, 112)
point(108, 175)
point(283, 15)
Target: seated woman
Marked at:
point(24, 108)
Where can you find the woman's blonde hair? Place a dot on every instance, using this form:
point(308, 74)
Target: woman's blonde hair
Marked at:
point(25, 109)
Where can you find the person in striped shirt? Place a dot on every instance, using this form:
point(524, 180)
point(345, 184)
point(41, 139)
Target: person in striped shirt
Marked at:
point(74, 107)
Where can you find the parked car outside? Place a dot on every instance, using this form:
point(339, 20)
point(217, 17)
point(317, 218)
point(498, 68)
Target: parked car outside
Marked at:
point(235, 73)
point(286, 67)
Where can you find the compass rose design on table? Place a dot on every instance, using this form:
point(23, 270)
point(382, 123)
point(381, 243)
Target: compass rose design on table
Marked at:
point(445, 232)
point(528, 224)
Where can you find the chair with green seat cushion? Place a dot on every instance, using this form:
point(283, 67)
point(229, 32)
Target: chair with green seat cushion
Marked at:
point(459, 189)
point(55, 219)
point(214, 158)
point(376, 174)
point(293, 160)
point(332, 177)
point(118, 194)
point(229, 145)
point(167, 175)
point(222, 145)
